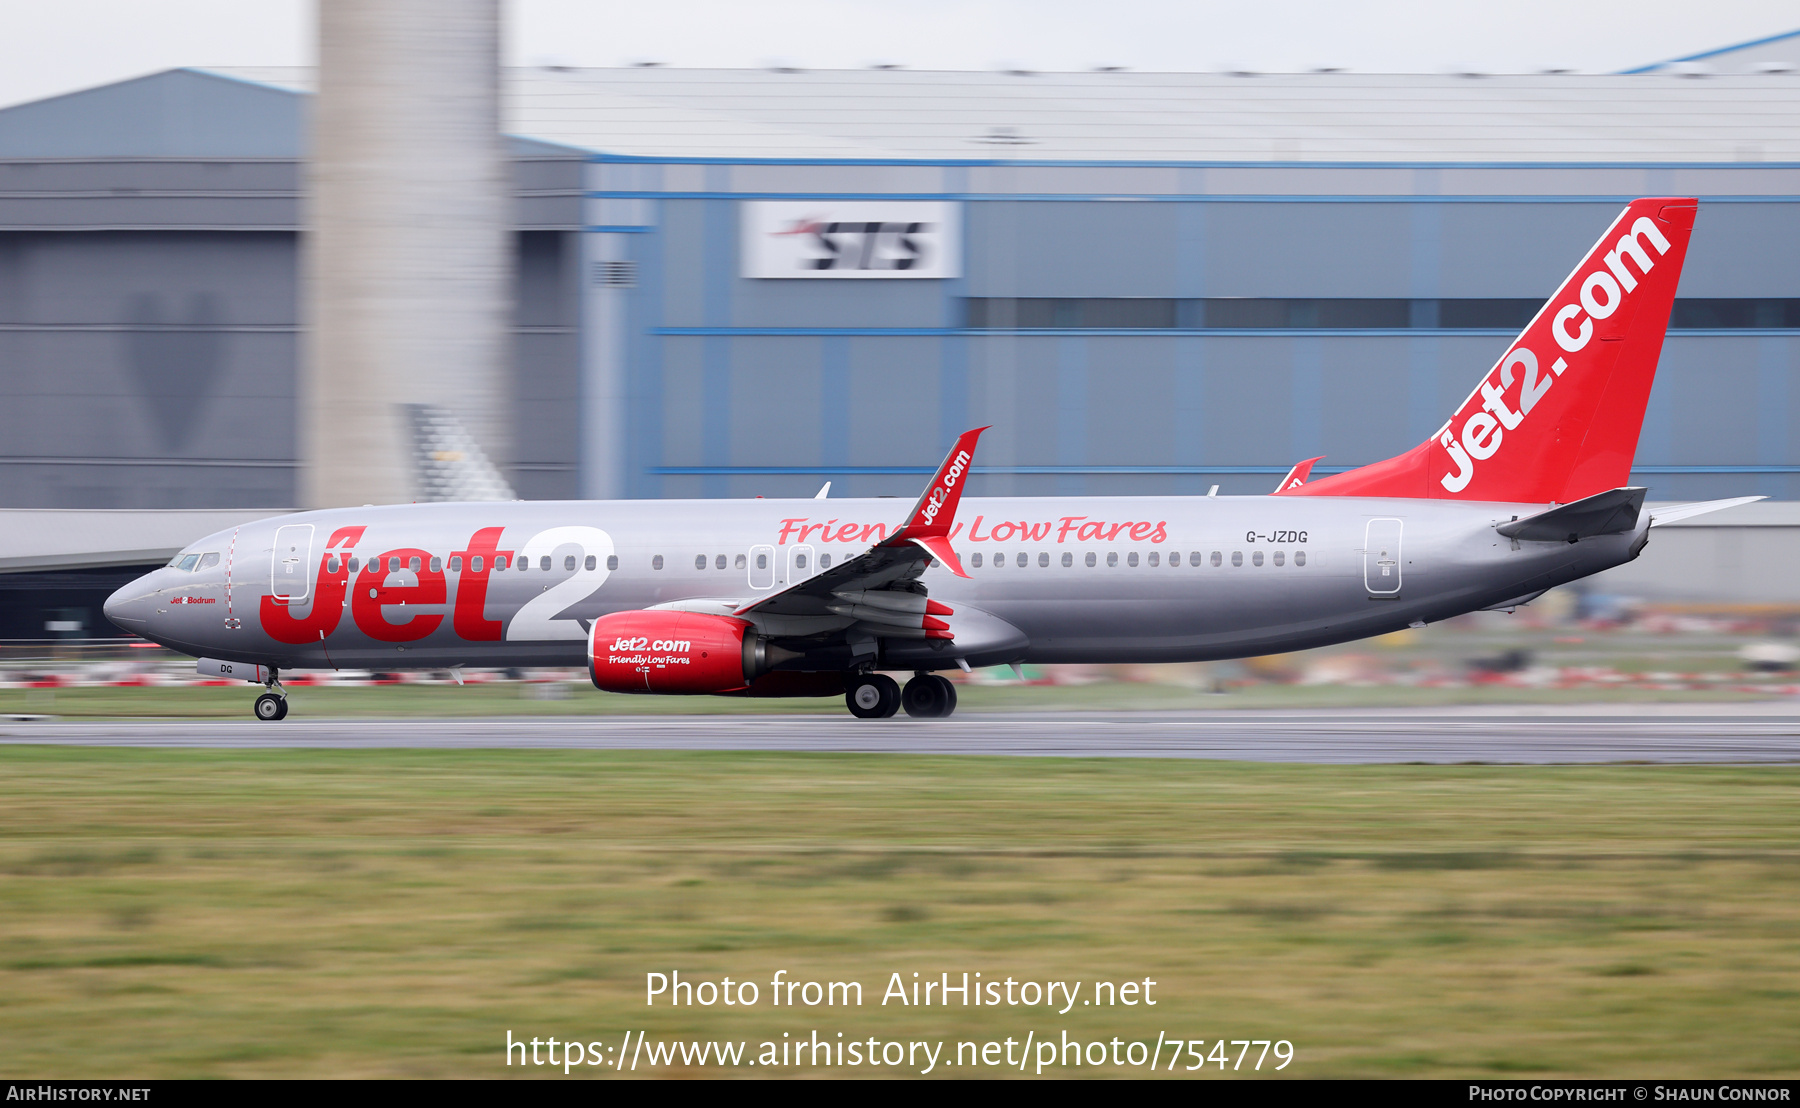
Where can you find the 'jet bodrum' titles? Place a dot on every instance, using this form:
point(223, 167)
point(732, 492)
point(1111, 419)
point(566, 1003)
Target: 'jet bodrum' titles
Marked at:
point(1063, 529)
point(1601, 293)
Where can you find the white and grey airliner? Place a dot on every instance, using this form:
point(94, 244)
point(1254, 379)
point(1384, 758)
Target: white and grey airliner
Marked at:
point(1526, 487)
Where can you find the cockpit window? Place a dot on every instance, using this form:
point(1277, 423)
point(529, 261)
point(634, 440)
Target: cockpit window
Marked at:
point(187, 563)
point(207, 561)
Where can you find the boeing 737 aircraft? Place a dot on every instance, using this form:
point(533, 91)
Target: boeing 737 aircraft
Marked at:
point(1523, 489)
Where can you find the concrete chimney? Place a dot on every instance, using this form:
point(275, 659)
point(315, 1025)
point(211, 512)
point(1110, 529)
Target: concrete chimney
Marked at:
point(407, 255)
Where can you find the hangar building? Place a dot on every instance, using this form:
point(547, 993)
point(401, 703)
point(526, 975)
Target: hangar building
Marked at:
point(733, 283)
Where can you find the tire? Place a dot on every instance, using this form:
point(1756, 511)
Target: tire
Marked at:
point(949, 694)
point(872, 696)
point(928, 696)
point(270, 707)
point(284, 707)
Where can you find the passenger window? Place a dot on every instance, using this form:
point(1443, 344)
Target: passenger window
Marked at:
point(331, 563)
point(1215, 559)
point(1154, 558)
point(699, 561)
point(590, 564)
point(1299, 557)
point(1131, 558)
point(568, 562)
point(544, 563)
point(975, 559)
point(719, 562)
point(455, 564)
point(413, 564)
point(656, 562)
point(1174, 558)
point(738, 562)
point(475, 563)
point(1112, 558)
point(207, 561)
point(824, 561)
point(437, 565)
point(1024, 559)
point(1256, 558)
point(355, 563)
point(393, 565)
point(800, 561)
point(499, 561)
point(1237, 558)
point(612, 561)
point(999, 561)
point(1090, 559)
point(1280, 557)
point(1043, 560)
point(762, 561)
point(188, 562)
point(1068, 559)
point(1193, 558)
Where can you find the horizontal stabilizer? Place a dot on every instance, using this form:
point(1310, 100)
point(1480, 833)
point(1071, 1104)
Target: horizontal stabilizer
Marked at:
point(1688, 511)
point(1604, 513)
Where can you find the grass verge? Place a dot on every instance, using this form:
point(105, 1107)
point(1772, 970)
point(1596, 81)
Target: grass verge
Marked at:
point(396, 913)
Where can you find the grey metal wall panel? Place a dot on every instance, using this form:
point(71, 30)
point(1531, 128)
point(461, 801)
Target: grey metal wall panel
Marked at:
point(1744, 249)
point(1076, 180)
point(180, 113)
point(160, 278)
point(82, 213)
point(1513, 250)
point(1309, 250)
point(683, 403)
point(1307, 181)
point(211, 176)
point(1071, 249)
point(892, 404)
point(773, 402)
point(847, 303)
point(834, 179)
point(681, 232)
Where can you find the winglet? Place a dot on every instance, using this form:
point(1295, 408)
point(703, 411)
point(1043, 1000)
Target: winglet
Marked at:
point(938, 546)
point(1297, 476)
point(936, 509)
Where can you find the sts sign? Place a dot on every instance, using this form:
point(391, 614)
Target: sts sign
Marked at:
point(857, 239)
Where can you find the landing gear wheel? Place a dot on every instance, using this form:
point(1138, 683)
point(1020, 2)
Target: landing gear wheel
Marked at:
point(270, 707)
point(928, 696)
point(873, 696)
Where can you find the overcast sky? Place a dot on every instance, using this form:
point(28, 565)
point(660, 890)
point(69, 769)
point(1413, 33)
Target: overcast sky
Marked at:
point(49, 48)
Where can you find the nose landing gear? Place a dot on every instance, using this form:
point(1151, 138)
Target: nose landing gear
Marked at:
point(272, 705)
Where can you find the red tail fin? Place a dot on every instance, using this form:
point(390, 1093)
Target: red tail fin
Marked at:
point(1557, 419)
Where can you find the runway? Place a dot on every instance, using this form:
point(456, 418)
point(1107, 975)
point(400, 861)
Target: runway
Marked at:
point(1767, 733)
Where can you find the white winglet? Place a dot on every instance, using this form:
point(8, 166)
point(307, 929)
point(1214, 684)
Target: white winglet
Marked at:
point(1688, 511)
point(824, 491)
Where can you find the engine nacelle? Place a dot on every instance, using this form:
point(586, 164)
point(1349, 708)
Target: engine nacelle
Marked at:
point(672, 652)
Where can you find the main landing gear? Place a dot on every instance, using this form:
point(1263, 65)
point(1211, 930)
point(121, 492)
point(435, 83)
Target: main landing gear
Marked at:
point(878, 696)
point(272, 705)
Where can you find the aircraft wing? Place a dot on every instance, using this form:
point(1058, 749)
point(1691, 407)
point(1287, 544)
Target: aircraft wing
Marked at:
point(876, 587)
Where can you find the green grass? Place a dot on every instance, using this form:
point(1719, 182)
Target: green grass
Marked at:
point(510, 700)
point(395, 913)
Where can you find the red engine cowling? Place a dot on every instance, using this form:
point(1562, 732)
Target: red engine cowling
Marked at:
point(668, 652)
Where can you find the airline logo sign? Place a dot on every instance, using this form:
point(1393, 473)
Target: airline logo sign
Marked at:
point(882, 239)
point(1502, 404)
